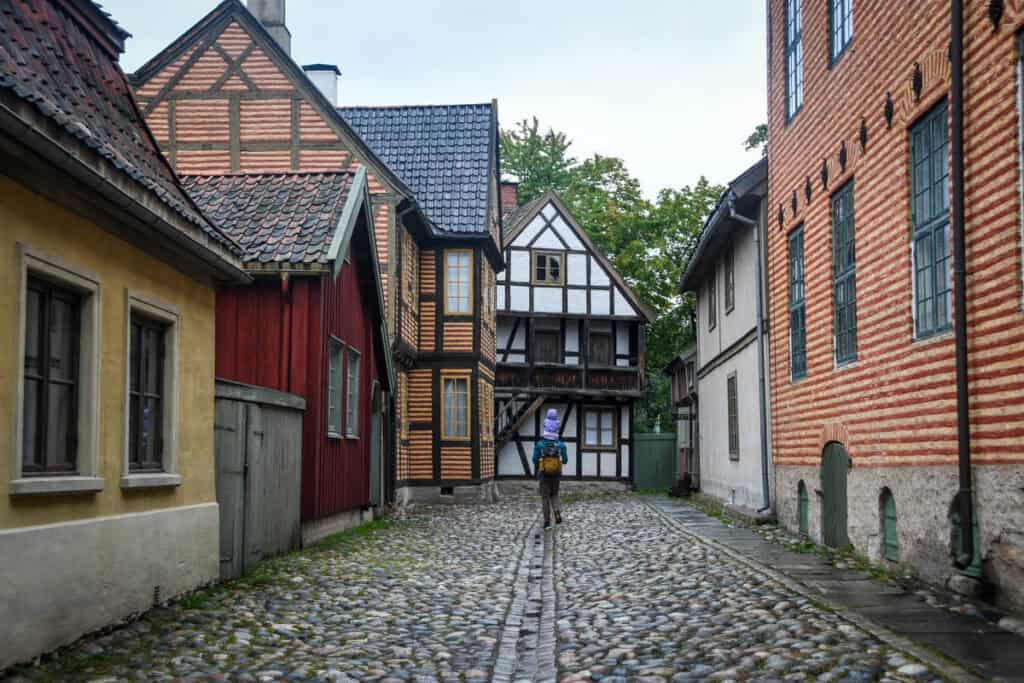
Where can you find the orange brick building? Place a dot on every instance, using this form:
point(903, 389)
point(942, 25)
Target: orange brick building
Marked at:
point(862, 280)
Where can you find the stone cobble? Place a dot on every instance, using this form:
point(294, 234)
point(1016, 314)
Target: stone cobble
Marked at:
point(422, 599)
point(640, 602)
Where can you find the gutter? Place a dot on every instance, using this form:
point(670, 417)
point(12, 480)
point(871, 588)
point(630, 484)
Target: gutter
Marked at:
point(963, 432)
point(763, 409)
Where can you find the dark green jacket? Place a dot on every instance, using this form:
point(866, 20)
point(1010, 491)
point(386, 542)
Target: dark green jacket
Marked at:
point(538, 449)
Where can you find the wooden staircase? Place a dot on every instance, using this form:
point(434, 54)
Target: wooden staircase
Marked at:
point(515, 413)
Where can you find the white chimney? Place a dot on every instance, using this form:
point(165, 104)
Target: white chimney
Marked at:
point(325, 78)
point(271, 15)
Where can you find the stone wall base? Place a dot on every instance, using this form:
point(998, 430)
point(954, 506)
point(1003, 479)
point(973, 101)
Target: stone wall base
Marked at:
point(322, 528)
point(485, 492)
point(61, 581)
point(924, 496)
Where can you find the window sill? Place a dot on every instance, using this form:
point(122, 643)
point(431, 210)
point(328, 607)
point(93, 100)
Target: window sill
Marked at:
point(845, 365)
point(152, 480)
point(933, 337)
point(34, 486)
point(734, 457)
point(352, 437)
point(333, 435)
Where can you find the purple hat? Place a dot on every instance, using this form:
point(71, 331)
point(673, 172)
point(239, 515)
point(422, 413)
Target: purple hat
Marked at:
point(551, 424)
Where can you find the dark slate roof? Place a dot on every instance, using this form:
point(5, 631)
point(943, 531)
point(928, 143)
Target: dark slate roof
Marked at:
point(277, 217)
point(67, 69)
point(442, 152)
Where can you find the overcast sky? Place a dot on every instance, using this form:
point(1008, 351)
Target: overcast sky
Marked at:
point(671, 86)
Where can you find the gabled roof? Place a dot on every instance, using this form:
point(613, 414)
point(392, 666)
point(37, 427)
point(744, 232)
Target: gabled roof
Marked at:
point(743, 194)
point(279, 218)
point(60, 56)
point(444, 153)
point(516, 215)
point(523, 218)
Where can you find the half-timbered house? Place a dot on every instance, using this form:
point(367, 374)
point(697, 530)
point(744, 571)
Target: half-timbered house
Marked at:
point(570, 337)
point(226, 98)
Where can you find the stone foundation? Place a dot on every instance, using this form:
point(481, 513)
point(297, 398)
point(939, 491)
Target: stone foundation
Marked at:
point(322, 528)
point(923, 498)
point(485, 492)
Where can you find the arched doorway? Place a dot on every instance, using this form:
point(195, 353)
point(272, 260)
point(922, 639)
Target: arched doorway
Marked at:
point(835, 464)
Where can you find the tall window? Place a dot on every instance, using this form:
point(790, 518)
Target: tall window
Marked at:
point(844, 275)
point(455, 392)
point(930, 212)
point(336, 352)
point(734, 420)
point(547, 346)
point(352, 394)
point(458, 268)
point(146, 393)
point(794, 57)
point(797, 311)
point(599, 428)
point(840, 24)
point(730, 280)
point(547, 268)
point(600, 347)
point(49, 429)
point(712, 301)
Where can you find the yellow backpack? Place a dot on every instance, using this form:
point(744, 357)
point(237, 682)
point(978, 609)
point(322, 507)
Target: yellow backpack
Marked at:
point(550, 460)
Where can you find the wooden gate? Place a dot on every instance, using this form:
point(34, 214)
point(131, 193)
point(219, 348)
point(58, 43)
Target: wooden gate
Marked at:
point(655, 461)
point(258, 449)
point(834, 467)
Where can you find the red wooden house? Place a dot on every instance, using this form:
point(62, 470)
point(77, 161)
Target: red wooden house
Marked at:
point(312, 324)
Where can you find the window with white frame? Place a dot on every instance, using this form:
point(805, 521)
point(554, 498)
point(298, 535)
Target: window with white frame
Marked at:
point(56, 443)
point(599, 428)
point(455, 395)
point(458, 288)
point(840, 24)
point(336, 360)
point(352, 394)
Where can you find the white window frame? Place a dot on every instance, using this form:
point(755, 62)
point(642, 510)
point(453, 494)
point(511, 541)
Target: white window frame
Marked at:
point(168, 314)
point(598, 411)
point(448, 309)
point(58, 271)
point(335, 345)
point(351, 394)
point(459, 376)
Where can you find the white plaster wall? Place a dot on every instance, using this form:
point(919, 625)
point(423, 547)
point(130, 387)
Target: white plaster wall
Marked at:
point(501, 303)
point(528, 233)
point(576, 269)
point(577, 301)
point(567, 234)
point(548, 240)
point(547, 299)
point(733, 481)
point(519, 268)
point(600, 302)
point(598, 276)
point(622, 306)
point(520, 295)
point(572, 336)
point(505, 326)
point(61, 581)
point(744, 315)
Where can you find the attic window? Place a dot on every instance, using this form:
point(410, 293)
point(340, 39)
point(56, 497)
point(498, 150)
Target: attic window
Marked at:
point(547, 268)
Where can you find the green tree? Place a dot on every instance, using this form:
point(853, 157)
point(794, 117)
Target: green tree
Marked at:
point(758, 139)
point(648, 242)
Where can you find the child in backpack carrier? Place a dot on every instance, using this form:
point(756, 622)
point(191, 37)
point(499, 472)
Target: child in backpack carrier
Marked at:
point(549, 455)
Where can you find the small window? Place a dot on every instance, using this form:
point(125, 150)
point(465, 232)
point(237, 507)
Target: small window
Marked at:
point(50, 408)
point(794, 43)
point(146, 394)
point(844, 278)
point(930, 210)
point(352, 394)
point(712, 302)
point(840, 23)
point(336, 351)
point(599, 427)
point(730, 281)
point(734, 419)
point(455, 423)
point(600, 348)
point(458, 282)
point(547, 268)
point(547, 346)
point(797, 311)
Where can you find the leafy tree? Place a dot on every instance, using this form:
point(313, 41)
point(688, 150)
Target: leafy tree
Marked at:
point(758, 139)
point(649, 243)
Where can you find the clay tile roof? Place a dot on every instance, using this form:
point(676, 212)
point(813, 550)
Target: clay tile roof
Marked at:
point(442, 152)
point(277, 217)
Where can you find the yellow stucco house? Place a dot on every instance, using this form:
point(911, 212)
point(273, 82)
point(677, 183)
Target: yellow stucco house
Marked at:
point(107, 277)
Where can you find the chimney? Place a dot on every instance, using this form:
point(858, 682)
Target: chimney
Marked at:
point(325, 78)
point(271, 15)
point(509, 197)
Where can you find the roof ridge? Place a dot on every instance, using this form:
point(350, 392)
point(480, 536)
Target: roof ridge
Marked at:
point(416, 106)
point(267, 174)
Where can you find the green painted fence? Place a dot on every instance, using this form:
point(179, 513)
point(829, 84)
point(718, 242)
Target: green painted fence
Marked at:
point(655, 461)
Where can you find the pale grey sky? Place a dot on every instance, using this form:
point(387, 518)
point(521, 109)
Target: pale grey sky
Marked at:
point(671, 86)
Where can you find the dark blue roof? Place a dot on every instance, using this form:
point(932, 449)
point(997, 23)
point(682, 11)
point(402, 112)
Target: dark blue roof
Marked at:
point(442, 152)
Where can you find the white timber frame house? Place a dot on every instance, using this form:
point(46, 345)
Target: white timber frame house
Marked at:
point(571, 337)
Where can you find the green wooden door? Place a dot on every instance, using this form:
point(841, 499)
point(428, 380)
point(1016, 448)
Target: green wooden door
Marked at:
point(655, 461)
point(835, 464)
point(802, 509)
point(890, 528)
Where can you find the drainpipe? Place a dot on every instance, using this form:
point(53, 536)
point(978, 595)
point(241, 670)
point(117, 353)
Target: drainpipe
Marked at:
point(286, 333)
point(956, 57)
point(765, 489)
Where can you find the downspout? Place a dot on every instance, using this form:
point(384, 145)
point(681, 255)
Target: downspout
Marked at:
point(286, 333)
point(956, 58)
point(763, 409)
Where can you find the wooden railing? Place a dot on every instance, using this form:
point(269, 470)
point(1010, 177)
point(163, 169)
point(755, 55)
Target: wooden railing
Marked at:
point(568, 378)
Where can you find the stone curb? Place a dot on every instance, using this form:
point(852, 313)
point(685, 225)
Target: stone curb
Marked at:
point(507, 657)
point(940, 664)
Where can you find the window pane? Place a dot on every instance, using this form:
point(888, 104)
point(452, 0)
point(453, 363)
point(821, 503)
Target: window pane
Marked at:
point(62, 339)
point(601, 349)
point(29, 436)
point(59, 449)
point(134, 425)
point(33, 338)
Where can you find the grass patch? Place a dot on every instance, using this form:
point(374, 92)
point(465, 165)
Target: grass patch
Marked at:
point(357, 533)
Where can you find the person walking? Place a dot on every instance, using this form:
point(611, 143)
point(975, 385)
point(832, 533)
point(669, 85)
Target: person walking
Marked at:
point(549, 455)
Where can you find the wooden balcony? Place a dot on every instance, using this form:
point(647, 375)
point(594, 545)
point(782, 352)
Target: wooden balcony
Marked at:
point(570, 379)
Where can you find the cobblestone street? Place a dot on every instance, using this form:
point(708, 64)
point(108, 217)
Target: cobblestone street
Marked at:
point(481, 593)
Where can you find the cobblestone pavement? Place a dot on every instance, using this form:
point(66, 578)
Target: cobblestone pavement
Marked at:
point(481, 593)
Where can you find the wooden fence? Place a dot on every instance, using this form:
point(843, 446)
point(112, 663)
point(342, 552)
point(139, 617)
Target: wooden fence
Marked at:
point(258, 447)
point(655, 461)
